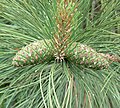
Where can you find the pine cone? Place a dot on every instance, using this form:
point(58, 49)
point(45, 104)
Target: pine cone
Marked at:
point(36, 52)
point(85, 55)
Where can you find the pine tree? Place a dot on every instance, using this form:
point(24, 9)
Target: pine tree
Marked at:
point(59, 54)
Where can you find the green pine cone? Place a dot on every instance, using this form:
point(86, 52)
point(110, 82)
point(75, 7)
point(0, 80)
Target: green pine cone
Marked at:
point(36, 52)
point(85, 55)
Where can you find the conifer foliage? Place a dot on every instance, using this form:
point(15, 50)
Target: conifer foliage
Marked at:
point(59, 54)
